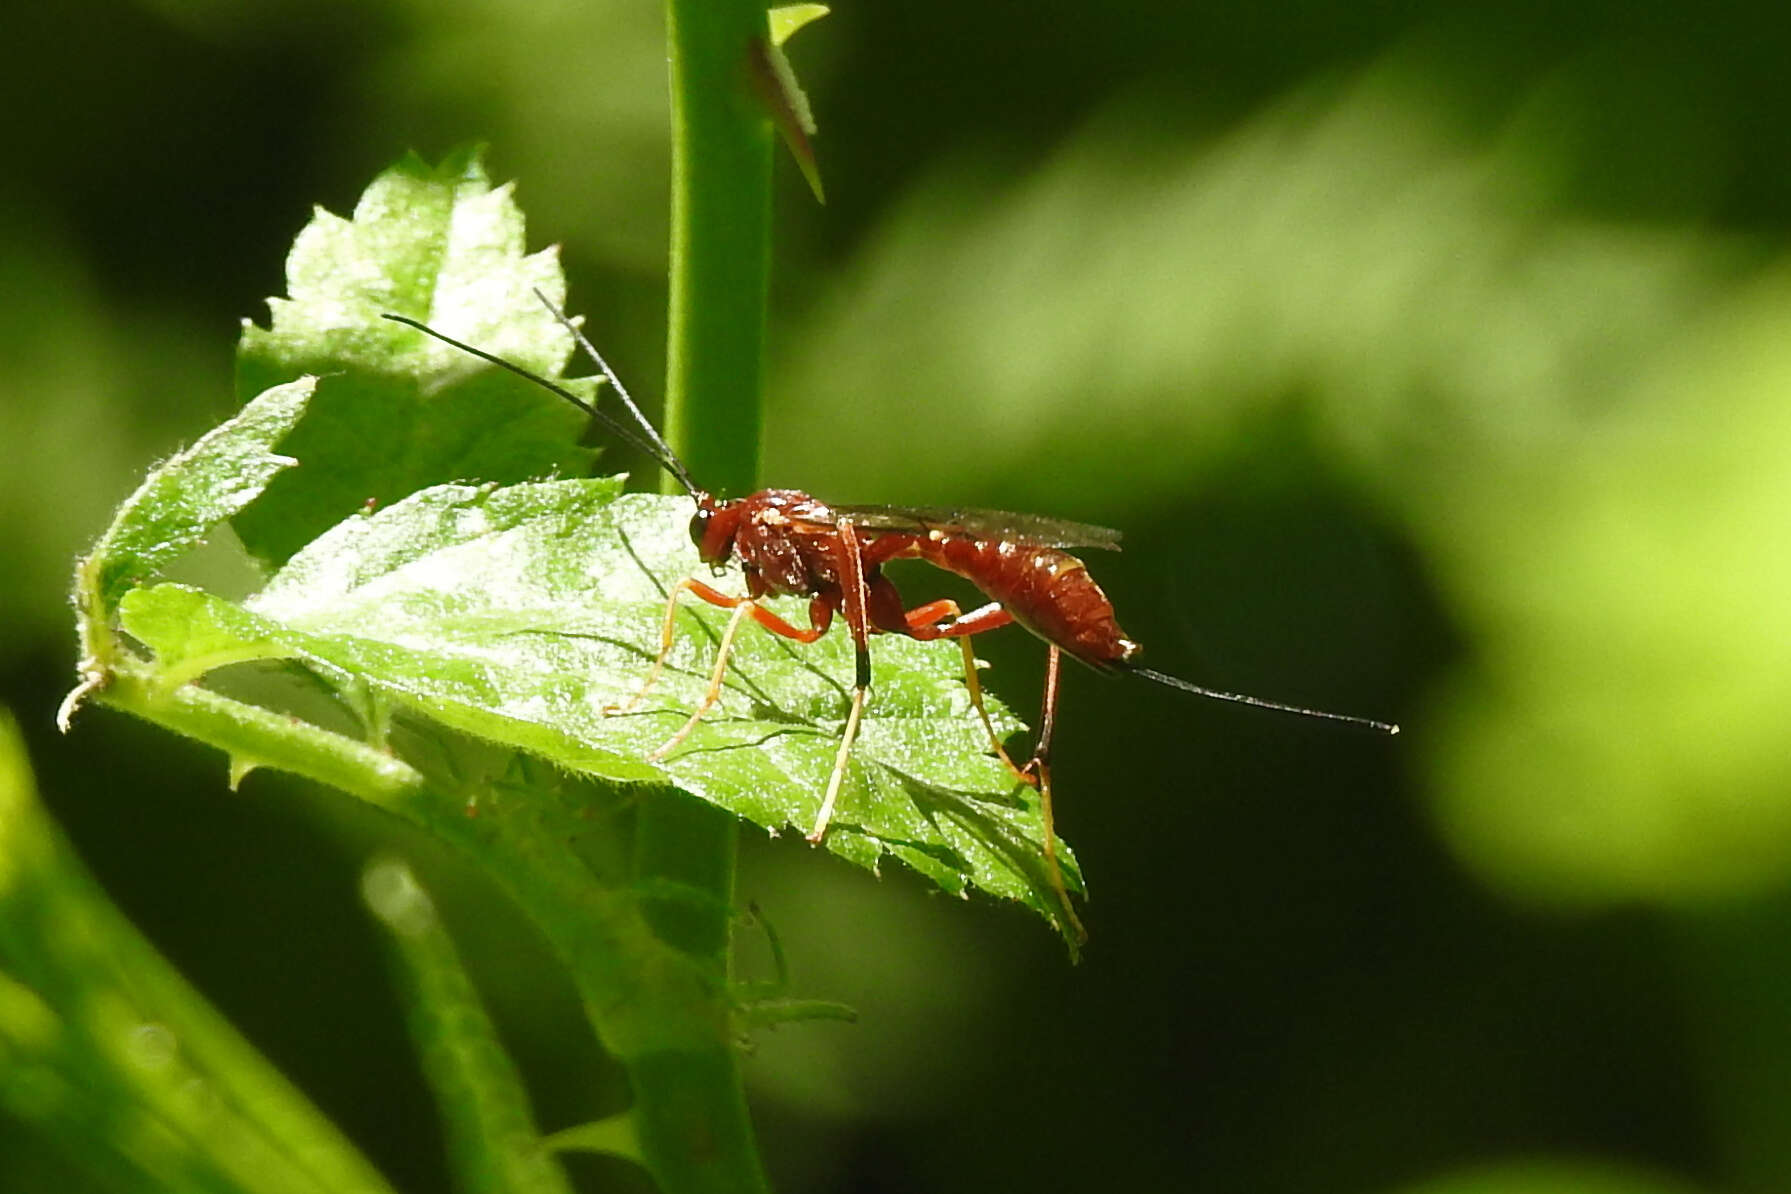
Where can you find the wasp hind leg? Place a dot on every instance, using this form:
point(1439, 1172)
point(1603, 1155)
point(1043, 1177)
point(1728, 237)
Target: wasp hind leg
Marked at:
point(1039, 768)
point(924, 622)
point(942, 619)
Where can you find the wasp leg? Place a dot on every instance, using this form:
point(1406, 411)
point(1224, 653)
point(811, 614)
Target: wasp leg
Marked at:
point(835, 780)
point(820, 614)
point(941, 619)
point(667, 625)
point(741, 613)
point(1039, 766)
point(855, 604)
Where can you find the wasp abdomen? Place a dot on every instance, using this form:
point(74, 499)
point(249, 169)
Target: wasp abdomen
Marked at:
point(1046, 590)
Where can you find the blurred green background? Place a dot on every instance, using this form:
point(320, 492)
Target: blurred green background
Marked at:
point(1436, 361)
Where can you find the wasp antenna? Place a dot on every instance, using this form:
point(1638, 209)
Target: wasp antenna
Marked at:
point(1238, 698)
point(621, 430)
point(662, 450)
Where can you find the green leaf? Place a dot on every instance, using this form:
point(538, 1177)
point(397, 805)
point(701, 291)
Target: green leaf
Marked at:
point(785, 102)
point(175, 507)
point(786, 19)
point(612, 1137)
point(184, 498)
point(519, 614)
point(397, 412)
point(105, 1050)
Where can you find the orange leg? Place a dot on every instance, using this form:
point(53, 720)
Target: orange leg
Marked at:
point(924, 623)
point(669, 622)
point(1039, 766)
point(855, 600)
point(820, 614)
point(941, 619)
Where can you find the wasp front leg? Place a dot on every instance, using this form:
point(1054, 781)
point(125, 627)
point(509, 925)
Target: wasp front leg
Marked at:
point(820, 617)
point(667, 625)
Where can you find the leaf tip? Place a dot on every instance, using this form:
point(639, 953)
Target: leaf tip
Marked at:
point(786, 19)
point(775, 83)
point(240, 766)
point(616, 1137)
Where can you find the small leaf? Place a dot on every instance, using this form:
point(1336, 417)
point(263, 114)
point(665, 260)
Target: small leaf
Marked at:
point(786, 19)
point(175, 507)
point(612, 1137)
point(775, 1010)
point(396, 411)
point(519, 614)
point(786, 104)
point(184, 498)
point(201, 636)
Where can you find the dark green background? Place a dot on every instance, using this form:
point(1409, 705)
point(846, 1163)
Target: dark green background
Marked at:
point(1436, 361)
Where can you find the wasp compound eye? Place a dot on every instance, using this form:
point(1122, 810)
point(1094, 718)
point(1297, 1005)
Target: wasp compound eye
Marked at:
point(699, 526)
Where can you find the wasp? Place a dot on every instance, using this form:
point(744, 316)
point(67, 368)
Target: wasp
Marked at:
point(790, 544)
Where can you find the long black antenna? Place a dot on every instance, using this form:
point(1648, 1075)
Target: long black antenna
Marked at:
point(1238, 698)
point(665, 454)
point(653, 446)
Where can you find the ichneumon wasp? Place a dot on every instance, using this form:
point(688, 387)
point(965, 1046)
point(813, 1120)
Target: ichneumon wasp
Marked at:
point(791, 544)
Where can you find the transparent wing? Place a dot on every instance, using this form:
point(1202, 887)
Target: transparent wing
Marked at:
point(1032, 530)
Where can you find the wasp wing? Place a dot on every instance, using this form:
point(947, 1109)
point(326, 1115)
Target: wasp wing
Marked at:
point(1030, 530)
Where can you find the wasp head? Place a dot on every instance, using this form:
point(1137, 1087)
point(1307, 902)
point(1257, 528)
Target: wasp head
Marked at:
point(712, 530)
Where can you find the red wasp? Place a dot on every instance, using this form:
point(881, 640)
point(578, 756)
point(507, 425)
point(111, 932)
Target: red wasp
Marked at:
point(791, 544)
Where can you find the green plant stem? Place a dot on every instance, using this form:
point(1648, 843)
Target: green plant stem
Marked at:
point(721, 242)
point(490, 1128)
point(689, 1105)
point(643, 997)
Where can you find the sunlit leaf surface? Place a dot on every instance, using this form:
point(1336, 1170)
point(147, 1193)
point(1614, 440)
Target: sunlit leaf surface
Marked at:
point(200, 487)
point(520, 614)
point(395, 411)
point(419, 568)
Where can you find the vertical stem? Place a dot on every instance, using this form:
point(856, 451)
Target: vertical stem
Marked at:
point(690, 1108)
point(721, 242)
